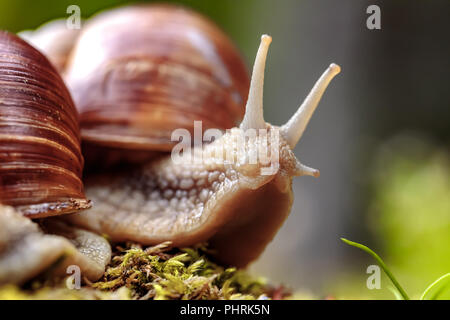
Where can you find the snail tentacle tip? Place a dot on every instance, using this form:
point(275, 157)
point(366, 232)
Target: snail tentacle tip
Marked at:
point(294, 128)
point(335, 68)
point(316, 173)
point(303, 170)
point(266, 39)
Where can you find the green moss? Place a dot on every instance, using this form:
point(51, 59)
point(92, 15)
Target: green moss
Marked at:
point(162, 273)
point(159, 272)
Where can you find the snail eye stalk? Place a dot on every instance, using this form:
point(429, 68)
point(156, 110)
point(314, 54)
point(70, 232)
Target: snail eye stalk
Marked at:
point(294, 128)
point(254, 114)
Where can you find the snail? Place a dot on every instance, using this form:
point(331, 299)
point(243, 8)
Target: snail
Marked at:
point(40, 171)
point(224, 201)
point(40, 157)
point(132, 93)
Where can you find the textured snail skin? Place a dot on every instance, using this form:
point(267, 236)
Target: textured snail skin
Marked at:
point(40, 157)
point(232, 206)
point(26, 251)
point(137, 73)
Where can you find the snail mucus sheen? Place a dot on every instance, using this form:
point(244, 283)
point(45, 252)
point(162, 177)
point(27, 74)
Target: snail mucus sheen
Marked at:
point(165, 68)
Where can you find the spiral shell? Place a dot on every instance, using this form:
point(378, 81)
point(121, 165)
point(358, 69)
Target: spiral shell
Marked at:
point(40, 157)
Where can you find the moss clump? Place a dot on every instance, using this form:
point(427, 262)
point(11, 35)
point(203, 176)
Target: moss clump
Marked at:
point(159, 272)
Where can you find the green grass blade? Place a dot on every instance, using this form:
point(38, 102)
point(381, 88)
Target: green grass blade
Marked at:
point(434, 284)
point(395, 293)
point(382, 264)
point(439, 291)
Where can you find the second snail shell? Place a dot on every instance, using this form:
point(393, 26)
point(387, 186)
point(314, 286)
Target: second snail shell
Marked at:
point(138, 73)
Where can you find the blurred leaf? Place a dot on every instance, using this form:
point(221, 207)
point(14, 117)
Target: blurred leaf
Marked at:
point(410, 211)
point(441, 281)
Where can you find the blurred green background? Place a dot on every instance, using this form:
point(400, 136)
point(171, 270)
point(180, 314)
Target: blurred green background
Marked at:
point(380, 137)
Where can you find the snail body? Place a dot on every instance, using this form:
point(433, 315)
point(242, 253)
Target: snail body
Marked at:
point(28, 249)
point(40, 156)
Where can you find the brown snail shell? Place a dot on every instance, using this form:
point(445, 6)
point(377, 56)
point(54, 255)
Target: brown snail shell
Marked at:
point(40, 157)
point(138, 73)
